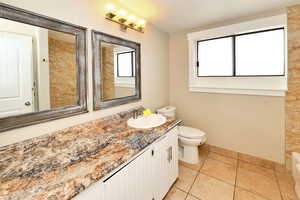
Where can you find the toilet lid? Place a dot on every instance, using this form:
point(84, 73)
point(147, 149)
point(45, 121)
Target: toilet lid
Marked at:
point(191, 133)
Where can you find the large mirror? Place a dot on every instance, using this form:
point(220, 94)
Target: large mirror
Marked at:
point(42, 68)
point(116, 70)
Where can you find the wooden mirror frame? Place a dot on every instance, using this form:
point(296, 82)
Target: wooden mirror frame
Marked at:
point(27, 17)
point(97, 38)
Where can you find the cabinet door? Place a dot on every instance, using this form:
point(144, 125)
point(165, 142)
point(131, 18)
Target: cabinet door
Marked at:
point(94, 192)
point(173, 163)
point(166, 161)
point(133, 182)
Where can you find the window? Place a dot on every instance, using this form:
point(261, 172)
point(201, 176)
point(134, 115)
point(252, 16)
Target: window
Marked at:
point(125, 64)
point(208, 50)
point(250, 54)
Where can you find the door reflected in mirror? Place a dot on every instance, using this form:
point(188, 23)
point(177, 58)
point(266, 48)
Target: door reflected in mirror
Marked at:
point(37, 69)
point(117, 71)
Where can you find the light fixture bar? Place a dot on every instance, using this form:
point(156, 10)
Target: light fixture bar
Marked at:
point(124, 21)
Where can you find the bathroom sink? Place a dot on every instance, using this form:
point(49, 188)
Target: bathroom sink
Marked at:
point(150, 121)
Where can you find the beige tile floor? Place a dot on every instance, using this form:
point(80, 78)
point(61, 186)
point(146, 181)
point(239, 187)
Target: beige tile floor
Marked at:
point(218, 177)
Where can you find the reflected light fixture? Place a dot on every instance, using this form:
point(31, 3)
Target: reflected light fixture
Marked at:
point(124, 20)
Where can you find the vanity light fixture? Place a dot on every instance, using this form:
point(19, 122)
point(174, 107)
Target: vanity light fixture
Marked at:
point(125, 21)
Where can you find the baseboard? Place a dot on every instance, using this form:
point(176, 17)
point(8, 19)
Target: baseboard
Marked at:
point(246, 158)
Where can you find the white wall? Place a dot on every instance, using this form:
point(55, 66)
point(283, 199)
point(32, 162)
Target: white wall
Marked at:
point(90, 13)
point(43, 71)
point(245, 123)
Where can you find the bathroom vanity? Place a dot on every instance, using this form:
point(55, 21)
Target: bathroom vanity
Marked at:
point(104, 159)
point(147, 176)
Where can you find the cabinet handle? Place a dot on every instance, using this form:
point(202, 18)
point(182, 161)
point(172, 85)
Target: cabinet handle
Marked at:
point(170, 153)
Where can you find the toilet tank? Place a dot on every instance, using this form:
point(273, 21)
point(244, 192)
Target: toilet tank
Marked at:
point(168, 111)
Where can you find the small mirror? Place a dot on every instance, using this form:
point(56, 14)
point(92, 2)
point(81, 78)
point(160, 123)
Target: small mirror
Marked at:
point(42, 68)
point(117, 70)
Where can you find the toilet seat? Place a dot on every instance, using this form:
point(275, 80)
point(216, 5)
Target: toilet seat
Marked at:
point(191, 133)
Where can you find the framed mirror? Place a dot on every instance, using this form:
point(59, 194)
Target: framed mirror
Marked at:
point(117, 70)
point(42, 68)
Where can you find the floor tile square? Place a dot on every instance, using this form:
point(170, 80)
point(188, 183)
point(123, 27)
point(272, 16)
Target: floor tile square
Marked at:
point(241, 194)
point(219, 170)
point(258, 184)
point(186, 178)
point(208, 188)
point(286, 185)
point(175, 194)
point(256, 169)
point(224, 159)
point(190, 197)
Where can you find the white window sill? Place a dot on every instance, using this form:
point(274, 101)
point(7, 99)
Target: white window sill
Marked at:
point(238, 91)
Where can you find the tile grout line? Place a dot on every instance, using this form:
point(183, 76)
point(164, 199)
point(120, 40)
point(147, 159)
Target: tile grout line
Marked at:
point(216, 178)
point(278, 185)
point(189, 191)
point(236, 176)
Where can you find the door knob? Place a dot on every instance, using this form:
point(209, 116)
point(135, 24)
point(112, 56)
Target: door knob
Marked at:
point(27, 103)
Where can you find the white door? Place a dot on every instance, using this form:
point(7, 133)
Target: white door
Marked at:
point(15, 74)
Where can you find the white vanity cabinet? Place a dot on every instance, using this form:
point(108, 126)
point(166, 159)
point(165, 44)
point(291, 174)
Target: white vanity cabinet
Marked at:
point(148, 177)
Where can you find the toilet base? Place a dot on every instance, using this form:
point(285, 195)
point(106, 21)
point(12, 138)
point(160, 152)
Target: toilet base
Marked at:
point(189, 154)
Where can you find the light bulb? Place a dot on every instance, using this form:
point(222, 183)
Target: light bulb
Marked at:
point(122, 13)
point(122, 16)
point(142, 23)
point(131, 18)
point(111, 8)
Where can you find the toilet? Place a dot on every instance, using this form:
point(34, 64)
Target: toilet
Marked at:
point(189, 139)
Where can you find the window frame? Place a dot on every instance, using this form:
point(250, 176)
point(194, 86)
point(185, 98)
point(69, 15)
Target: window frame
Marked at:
point(132, 65)
point(234, 53)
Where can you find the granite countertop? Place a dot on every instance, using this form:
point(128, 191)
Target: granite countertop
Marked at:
point(62, 164)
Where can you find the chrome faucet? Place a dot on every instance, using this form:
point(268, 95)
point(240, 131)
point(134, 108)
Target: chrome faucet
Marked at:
point(136, 114)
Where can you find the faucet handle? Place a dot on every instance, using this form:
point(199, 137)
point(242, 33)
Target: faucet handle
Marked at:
point(135, 114)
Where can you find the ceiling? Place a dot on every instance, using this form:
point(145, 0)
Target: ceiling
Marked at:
point(176, 15)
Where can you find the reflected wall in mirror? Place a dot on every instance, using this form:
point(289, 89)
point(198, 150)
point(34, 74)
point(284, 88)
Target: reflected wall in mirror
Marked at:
point(116, 65)
point(118, 71)
point(40, 70)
